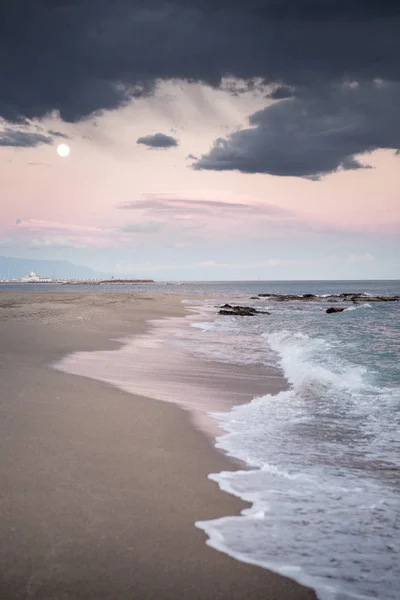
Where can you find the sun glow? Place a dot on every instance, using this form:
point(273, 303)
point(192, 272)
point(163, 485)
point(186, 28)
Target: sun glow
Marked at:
point(63, 150)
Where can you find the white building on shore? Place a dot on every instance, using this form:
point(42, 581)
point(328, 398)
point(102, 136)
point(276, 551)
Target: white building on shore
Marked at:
point(32, 277)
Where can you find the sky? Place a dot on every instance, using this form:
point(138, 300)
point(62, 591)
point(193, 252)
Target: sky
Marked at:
point(208, 140)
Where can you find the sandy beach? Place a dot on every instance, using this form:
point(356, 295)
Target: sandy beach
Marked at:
point(100, 488)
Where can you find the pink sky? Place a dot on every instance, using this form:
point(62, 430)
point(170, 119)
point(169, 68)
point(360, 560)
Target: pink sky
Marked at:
point(117, 206)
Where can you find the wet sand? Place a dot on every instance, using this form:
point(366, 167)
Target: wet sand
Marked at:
point(100, 488)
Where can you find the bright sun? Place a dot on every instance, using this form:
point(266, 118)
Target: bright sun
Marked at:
point(63, 150)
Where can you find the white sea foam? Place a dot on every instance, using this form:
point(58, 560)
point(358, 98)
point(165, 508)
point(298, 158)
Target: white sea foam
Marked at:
point(204, 325)
point(323, 512)
point(304, 362)
point(364, 305)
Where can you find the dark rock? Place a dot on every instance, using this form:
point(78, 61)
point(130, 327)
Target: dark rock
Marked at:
point(269, 295)
point(281, 297)
point(334, 309)
point(244, 309)
point(241, 311)
point(308, 296)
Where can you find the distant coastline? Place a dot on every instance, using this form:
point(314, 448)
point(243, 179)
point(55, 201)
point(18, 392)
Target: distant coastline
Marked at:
point(105, 281)
point(77, 281)
point(33, 277)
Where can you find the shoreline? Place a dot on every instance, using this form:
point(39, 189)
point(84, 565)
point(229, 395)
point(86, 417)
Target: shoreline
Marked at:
point(103, 487)
point(149, 364)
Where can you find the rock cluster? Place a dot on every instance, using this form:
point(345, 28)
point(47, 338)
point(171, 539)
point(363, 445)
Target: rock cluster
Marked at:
point(350, 297)
point(282, 297)
point(241, 311)
point(345, 297)
point(355, 298)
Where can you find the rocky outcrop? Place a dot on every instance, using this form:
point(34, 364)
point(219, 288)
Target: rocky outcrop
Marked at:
point(335, 309)
point(240, 311)
point(344, 297)
point(351, 297)
point(283, 297)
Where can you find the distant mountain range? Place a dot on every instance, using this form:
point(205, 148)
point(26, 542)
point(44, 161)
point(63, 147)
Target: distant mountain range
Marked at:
point(60, 269)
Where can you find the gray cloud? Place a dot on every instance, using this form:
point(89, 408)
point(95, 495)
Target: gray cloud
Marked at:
point(158, 140)
point(15, 138)
point(79, 58)
point(317, 132)
point(147, 227)
point(58, 134)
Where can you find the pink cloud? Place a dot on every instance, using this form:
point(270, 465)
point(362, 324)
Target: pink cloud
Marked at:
point(225, 213)
point(179, 204)
point(40, 225)
point(54, 242)
point(42, 234)
point(51, 234)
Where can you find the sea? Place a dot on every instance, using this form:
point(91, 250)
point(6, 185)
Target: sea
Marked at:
point(319, 461)
point(322, 457)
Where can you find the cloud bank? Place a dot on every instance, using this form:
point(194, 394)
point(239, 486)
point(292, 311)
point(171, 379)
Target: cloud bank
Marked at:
point(314, 133)
point(82, 57)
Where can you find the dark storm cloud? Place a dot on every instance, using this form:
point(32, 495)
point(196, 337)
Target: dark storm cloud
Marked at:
point(158, 140)
point(281, 92)
point(80, 57)
point(22, 139)
point(318, 132)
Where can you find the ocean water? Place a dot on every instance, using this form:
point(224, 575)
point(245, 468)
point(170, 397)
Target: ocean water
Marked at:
point(322, 458)
point(222, 289)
